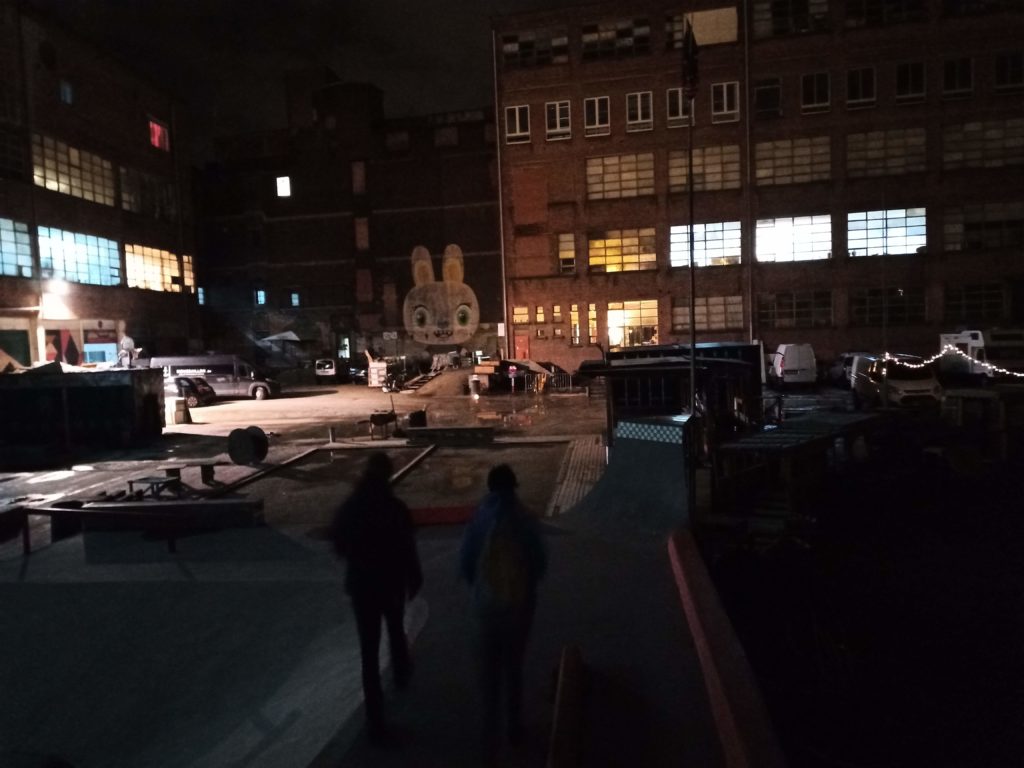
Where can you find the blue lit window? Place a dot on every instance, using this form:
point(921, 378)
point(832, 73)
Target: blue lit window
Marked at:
point(895, 231)
point(78, 257)
point(67, 92)
point(15, 249)
point(295, 298)
point(260, 296)
point(200, 295)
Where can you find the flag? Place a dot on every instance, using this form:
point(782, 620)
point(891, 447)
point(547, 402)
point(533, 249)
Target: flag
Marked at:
point(689, 49)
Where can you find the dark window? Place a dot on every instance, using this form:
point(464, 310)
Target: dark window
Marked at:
point(889, 306)
point(795, 309)
point(910, 84)
point(768, 96)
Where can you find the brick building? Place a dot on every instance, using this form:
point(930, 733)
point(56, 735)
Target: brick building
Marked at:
point(857, 173)
point(95, 216)
point(311, 229)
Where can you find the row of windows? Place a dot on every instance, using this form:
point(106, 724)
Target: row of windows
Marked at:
point(958, 81)
point(895, 231)
point(159, 131)
point(82, 258)
point(59, 167)
point(636, 323)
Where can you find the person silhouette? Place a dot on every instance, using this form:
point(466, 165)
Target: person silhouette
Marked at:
point(502, 558)
point(372, 531)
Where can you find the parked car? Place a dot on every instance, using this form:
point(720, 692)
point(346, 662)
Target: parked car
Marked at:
point(902, 380)
point(794, 364)
point(194, 390)
point(840, 372)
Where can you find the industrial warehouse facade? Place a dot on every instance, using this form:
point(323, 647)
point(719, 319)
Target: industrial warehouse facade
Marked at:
point(96, 239)
point(858, 174)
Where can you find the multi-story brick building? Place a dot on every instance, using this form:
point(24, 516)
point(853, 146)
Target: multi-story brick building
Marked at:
point(311, 230)
point(858, 173)
point(95, 216)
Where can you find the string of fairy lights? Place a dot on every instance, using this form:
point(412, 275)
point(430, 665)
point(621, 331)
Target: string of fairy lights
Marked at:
point(949, 349)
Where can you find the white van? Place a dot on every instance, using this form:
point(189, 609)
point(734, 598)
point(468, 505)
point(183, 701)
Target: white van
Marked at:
point(794, 364)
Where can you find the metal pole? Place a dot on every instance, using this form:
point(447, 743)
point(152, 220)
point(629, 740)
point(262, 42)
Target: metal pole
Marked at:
point(693, 277)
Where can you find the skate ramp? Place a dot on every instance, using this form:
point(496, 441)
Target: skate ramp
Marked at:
point(643, 491)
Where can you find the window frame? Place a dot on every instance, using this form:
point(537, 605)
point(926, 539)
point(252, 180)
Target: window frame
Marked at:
point(954, 72)
point(639, 111)
point(519, 116)
point(908, 72)
point(558, 120)
point(815, 80)
point(725, 102)
point(592, 107)
point(864, 81)
point(1008, 74)
point(677, 109)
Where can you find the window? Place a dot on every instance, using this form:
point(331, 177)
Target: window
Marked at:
point(639, 111)
point(1009, 71)
point(294, 299)
point(596, 121)
point(988, 144)
point(557, 120)
point(623, 250)
point(556, 313)
point(15, 249)
point(566, 253)
point(592, 323)
point(538, 314)
point(801, 238)
point(446, 136)
point(768, 97)
point(159, 135)
point(362, 233)
point(677, 109)
point(889, 306)
point(793, 161)
point(188, 277)
point(152, 269)
point(773, 18)
point(860, 87)
point(957, 77)
point(72, 171)
point(284, 186)
point(713, 168)
point(974, 304)
point(147, 194)
point(895, 231)
point(66, 92)
point(78, 258)
point(535, 48)
point(984, 226)
point(616, 39)
point(259, 297)
point(358, 177)
point(632, 323)
point(520, 315)
point(618, 176)
point(714, 244)
point(795, 309)
point(885, 153)
point(711, 313)
point(201, 295)
point(910, 81)
point(574, 325)
point(725, 102)
point(876, 13)
point(517, 124)
point(815, 94)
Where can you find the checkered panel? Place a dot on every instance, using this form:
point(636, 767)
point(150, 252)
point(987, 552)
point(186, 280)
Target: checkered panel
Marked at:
point(648, 432)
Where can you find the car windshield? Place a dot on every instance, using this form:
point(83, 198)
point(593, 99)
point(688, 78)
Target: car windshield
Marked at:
point(906, 373)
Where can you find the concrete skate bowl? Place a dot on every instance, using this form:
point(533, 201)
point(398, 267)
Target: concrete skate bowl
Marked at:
point(643, 491)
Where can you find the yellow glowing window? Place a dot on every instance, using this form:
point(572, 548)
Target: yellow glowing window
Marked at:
point(152, 269)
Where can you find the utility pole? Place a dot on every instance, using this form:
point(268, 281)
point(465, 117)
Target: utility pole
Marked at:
point(690, 84)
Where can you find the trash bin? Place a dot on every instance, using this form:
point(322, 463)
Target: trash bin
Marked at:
point(418, 418)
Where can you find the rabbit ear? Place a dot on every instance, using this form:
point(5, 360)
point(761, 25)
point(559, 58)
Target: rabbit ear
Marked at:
point(452, 266)
point(422, 268)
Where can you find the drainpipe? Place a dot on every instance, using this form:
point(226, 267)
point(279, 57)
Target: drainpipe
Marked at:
point(501, 203)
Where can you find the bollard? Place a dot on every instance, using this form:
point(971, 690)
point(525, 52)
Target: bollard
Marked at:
point(330, 434)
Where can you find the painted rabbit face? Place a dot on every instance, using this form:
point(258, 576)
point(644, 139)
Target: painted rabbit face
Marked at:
point(440, 313)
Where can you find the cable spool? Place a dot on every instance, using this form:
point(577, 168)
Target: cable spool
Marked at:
point(247, 446)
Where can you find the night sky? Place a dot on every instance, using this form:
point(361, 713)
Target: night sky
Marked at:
point(225, 58)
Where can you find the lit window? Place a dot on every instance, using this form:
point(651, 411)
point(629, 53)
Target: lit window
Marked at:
point(632, 323)
point(910, 81)
point(957, 77)
point(677, 109)
point(566, 253)
point(294, 298)
point(159, 135)
point(284, 186)
point(556, 313)
point(619, 176)
point(558, 121)
point(152, 269)
point(78, 257)
point(517, 124)
point(639, 111)
point(260, 297)
point(725, 102)
point(67, 93)
point(520, 315)
point(592, 323)
point(815, 93)
point(539, 314)
point(201, 295)
point(623, 250)
point(714, 244)
point(15, 249)
point(72, 171)
point(801, 238)
point(188, 278)
point(879, 233)
point(596, 121)
point(860, 87)
point(574, 325)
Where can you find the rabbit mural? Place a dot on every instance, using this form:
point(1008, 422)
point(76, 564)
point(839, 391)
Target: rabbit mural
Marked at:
point(440, 313)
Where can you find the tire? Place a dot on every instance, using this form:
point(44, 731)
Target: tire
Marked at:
point(260, 393)
point(192, 401)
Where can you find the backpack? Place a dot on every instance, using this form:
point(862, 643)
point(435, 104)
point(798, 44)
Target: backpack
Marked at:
point(503, 568)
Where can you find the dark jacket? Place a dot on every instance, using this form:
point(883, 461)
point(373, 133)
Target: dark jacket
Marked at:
point(373, 531)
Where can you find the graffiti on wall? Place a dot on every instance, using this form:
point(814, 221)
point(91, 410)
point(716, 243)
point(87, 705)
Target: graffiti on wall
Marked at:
point(440, 313)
